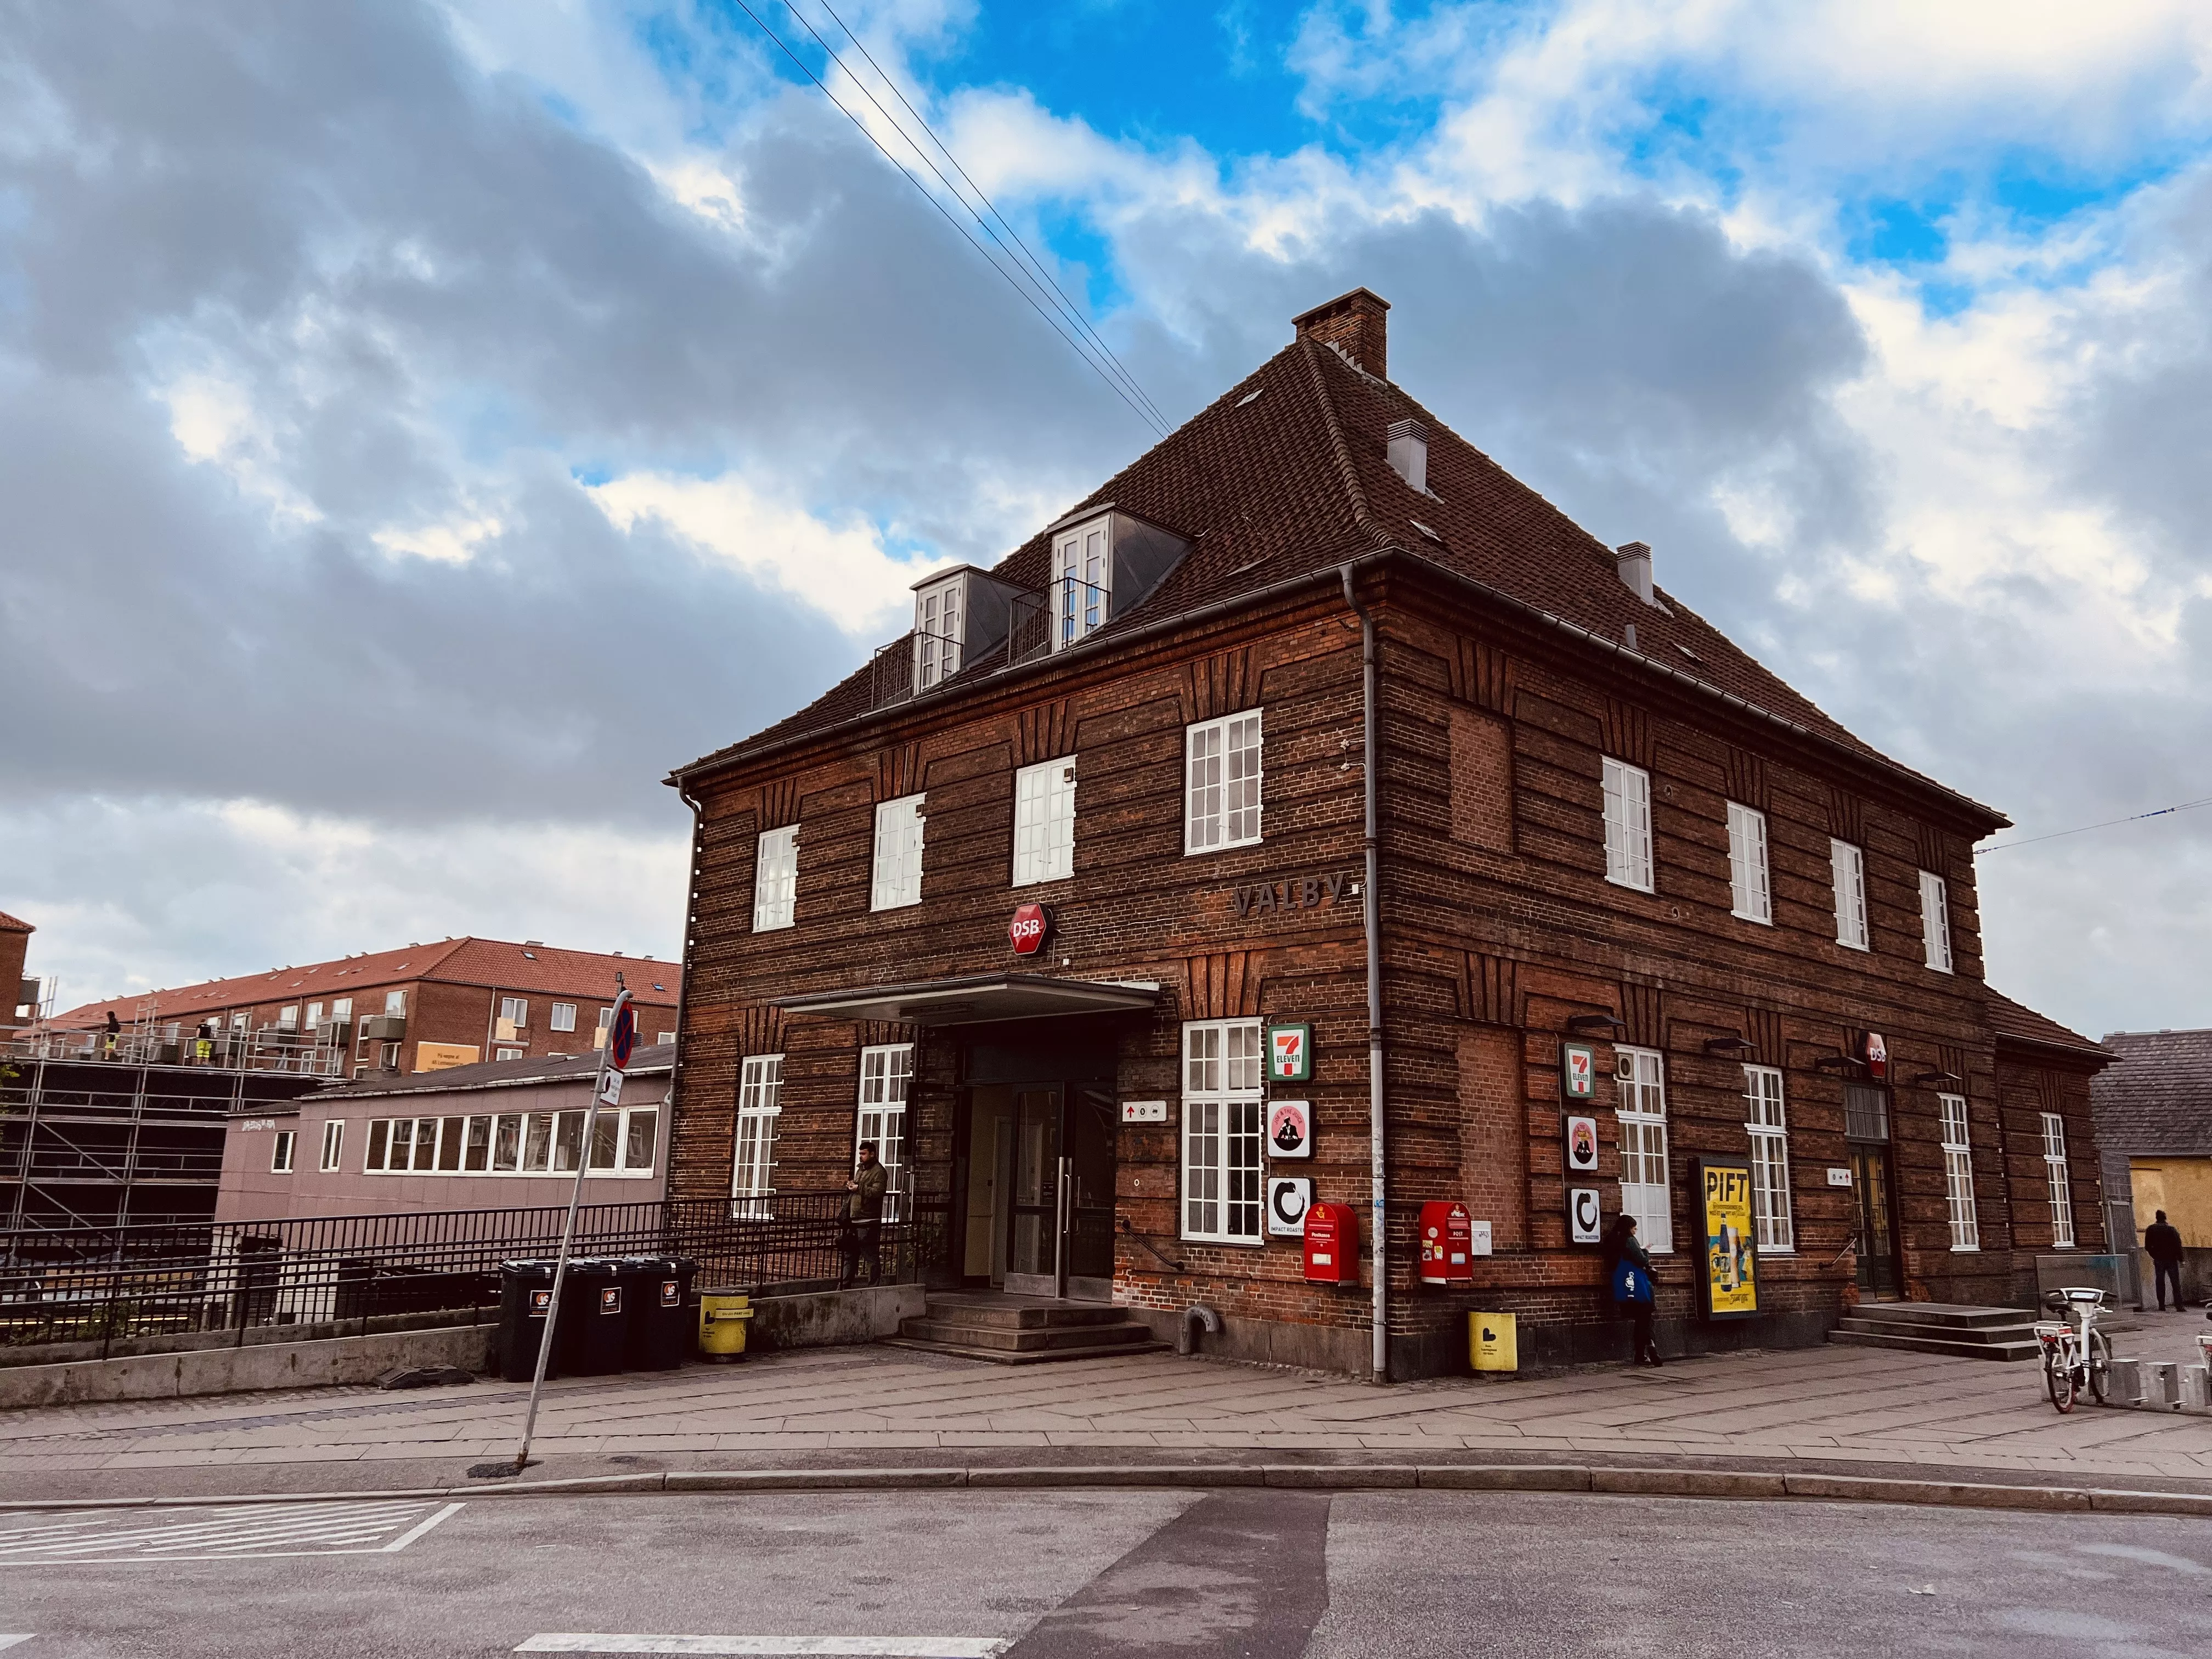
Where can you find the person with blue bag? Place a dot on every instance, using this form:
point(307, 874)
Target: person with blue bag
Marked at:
point(1630, 1271)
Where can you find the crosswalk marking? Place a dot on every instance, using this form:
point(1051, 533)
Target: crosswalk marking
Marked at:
point(231, 1532)
point(11, 1641)
point(776, 1647)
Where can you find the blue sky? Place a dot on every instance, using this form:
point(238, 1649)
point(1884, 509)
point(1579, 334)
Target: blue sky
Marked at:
point(369, 369)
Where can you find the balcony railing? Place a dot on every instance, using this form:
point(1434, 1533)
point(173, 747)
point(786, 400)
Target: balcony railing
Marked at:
point(1065, 612)
point(319, 1053)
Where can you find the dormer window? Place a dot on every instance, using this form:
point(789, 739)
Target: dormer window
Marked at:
point(960, 615)
point(938, 616)
point(1082, 580)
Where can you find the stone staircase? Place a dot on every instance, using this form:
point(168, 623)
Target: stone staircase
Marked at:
point(1022, 1330)
point(1945, 1327)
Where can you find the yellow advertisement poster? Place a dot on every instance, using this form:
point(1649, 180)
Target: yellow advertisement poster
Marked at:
point(1731, 1257)
point(444, 1056)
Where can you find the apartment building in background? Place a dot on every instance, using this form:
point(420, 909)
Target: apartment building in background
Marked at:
point(19, 994)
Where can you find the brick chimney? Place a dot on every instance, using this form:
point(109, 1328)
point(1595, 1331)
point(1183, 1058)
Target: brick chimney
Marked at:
point(1355, 324)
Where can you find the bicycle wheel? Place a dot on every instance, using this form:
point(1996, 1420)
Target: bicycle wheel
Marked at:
point(2058, 1378)
point(2100, 1366)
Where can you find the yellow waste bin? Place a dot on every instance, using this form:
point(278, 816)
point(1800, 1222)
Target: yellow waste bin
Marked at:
point(722, 1317)
point(1492, 1343)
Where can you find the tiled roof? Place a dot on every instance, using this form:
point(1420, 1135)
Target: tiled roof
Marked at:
point(2017, 1023)
point(646, 1060)
point(1287, 475)
point(529, 969)
point(10, 925)
point(2157, 1095)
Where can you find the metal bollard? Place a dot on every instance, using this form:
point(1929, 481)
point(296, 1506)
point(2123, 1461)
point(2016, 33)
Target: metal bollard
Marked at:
point(2127, 1385)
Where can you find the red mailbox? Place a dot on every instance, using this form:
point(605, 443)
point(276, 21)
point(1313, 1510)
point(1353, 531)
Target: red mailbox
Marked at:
point(1447, 1245)
point(1331, 1245)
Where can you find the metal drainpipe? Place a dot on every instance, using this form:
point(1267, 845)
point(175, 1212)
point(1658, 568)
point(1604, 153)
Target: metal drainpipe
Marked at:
point(1372, 918)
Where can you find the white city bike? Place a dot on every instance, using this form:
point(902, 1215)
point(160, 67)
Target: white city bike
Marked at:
point(2075, 1353)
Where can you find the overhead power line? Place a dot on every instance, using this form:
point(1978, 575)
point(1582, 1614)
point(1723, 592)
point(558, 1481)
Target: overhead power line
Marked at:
point(2060, 835)
point(1016, 276)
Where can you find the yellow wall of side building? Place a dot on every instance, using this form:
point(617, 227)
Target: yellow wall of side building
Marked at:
point(2182, 1186)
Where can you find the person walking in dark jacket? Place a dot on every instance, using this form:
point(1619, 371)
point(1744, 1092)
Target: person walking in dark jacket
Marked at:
point(2162, 1243)
point(1628, 1269)
point(863, 1230)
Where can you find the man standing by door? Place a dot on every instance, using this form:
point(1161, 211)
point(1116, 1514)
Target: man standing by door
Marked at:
point(863, 1218)
point(2162, 1243)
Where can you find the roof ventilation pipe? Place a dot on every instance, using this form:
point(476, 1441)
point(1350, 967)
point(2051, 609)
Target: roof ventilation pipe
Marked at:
point(1409, 456)
point(1633, 561)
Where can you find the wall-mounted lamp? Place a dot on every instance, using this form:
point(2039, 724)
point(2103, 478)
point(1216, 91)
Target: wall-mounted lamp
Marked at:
point(1939, 1077)
point(1729, 1045)
point(1835, 1063)
point(1589, 1025)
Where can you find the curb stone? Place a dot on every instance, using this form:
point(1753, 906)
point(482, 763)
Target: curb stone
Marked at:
point(1737, 1483)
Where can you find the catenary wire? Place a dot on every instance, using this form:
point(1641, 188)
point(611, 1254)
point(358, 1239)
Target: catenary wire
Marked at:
point(1050, 320)
point(1020, 247)
point(2083, 829)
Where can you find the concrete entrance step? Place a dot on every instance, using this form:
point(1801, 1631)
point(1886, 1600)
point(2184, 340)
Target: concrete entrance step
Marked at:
point(1022, 1330)
point(1950, 1315)
point(1959, 1329)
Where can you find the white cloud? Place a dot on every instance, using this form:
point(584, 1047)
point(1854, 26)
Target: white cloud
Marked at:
point(454, 541)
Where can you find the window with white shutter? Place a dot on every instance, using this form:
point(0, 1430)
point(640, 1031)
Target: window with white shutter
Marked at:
point(1768, 1124)
point(775, 879)
point(1640, 1080)
point(898, 855)
point(1752, 897)
point(1847, 865)
point(1223, 1152)
point(1958, 1173)
point(1935, 921)
point(1221, 799)
point(752, 1168)
point(1627, 824)
point(1044, 821)
point(2062, 1187)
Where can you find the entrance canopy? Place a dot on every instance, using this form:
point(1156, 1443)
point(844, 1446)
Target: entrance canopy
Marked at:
point(977, 1000)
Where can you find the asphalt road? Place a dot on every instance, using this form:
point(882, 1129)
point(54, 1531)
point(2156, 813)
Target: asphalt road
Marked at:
point(1257, 1574)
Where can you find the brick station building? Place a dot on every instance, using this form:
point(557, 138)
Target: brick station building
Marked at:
point(1600, 824)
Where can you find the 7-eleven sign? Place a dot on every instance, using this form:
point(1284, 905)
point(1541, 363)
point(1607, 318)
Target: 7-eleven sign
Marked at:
point(1289, 1053)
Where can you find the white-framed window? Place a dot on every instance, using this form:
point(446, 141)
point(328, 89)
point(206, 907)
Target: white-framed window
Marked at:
point(1640, 1078)
point(280, 1151)
point(665, 1038)
point(886, 1075)
point(1044, 821)
point(624, 1142)
point(395, 1004)
point(605, 1028)
point(1221, 797)
point(563, 1017)
point(314, 1015)
point(333, 1142)
point(937, 634)
point(898, 855)
point(752, 1169)
point(1958, 1173)
point(2061, 1188)
point(776, 877)
point(287, 1019)
point(341, 1009)
point(1223, 1145)
point(388, 1056)
point(1847, 865)
point(1627, 826)
point(1766, 1120)
point(508, 1054)
point(1935, 921)
point(1751, 896)
point(1083, 580)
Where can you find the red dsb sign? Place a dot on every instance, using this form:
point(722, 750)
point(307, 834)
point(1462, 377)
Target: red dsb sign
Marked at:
point(1027, 930)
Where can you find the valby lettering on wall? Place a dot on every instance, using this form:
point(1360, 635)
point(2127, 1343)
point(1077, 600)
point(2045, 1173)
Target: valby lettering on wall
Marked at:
point(1266, 898)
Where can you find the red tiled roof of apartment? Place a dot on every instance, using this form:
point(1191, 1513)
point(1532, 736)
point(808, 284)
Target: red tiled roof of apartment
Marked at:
point(2020, 1024)
point(10, 925)
point(1287, 475)
point(2156, 1097)
point(541, 969)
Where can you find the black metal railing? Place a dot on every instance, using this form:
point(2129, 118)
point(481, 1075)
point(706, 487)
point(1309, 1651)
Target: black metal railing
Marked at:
point(114, 1284)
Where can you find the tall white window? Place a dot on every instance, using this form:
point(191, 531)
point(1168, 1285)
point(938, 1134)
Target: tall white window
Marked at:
point(1221, 799)
point(1627, 824)
point(1847, 865)
point(1083, 576)
point(341, 1009)
point(1044, 821)
point(760, 1103)
point(287, 1019)
point(333, 1142)
point(314, 1015)
point(1935, 921)
point(776, 877)
point(937, 636)
point(886, 1074)
point(1769, 1127)
point(2061, 1189)
point(898, 855)
point(1753, 897)
point(1958, 1173)
point(1641, 1077)
point(514, 1013)
point(280, 1152)
point(563, 1017)
point(395, 1004)
point(1222, 1143)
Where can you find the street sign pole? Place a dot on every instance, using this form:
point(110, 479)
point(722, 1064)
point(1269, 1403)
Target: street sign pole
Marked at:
point(621, 1032)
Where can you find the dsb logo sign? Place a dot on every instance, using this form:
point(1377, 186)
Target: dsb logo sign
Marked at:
point(1031, 923)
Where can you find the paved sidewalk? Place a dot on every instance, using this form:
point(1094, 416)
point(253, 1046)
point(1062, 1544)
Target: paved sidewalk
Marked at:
point(1836, 1408)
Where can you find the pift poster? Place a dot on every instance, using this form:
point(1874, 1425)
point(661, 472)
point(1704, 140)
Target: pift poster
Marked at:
point(1731, 1272)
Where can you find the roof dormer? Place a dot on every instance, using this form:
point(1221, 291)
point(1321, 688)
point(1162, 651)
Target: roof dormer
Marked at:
point(1104, 562)
point(958, 614)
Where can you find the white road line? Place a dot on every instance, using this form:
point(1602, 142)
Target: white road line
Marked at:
point(11, 1641)
point(419, 1528)
point(242, 1533)
point(777, 1647)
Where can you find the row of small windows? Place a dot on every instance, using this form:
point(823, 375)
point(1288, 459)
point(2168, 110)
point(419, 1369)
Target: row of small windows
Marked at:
point(1629, 862)
point(1221, 809)
point(513, 1143)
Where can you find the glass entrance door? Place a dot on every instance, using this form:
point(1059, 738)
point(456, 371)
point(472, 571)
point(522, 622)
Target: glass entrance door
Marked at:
point(1877, 1233)
point(1033, 1246)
